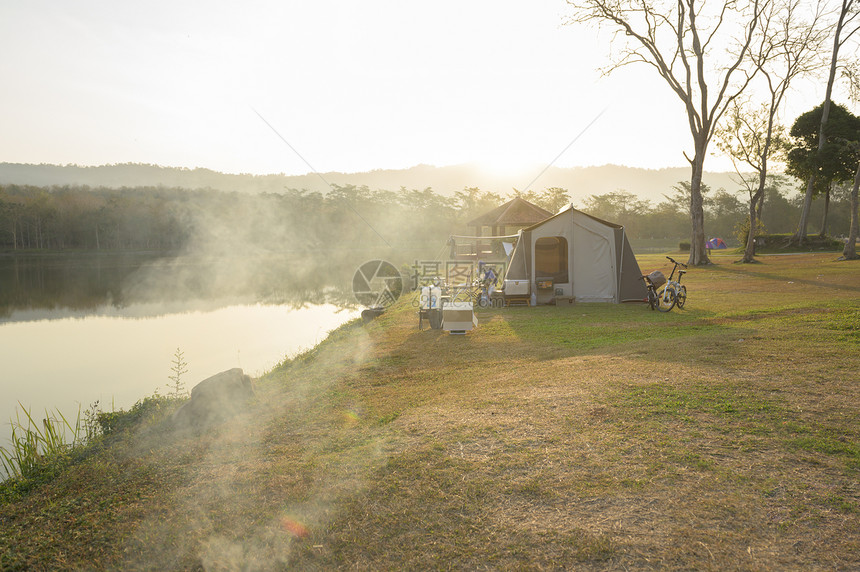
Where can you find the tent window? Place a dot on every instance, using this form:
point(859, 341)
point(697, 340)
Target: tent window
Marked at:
point(551, 258)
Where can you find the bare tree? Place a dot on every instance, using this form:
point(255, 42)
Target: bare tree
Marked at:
point(747, 139)
point(847, 24)
point(786, 46)
point(679, 39)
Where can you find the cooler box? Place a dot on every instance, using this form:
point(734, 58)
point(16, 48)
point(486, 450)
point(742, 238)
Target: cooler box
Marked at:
point(516, 288)
point(458, 317)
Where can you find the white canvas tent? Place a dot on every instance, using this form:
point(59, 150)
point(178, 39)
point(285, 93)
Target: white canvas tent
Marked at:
point(574, 256)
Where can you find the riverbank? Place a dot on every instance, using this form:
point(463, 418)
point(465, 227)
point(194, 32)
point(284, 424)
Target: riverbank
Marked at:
point(589, 436)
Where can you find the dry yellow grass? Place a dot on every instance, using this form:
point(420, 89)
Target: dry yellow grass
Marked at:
point(593, 437)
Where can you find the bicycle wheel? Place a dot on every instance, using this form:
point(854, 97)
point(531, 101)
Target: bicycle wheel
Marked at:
point(666, 299)
point(681, 296)
point(652, 298)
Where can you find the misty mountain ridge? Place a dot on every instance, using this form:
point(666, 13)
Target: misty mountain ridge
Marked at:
point(580, 182)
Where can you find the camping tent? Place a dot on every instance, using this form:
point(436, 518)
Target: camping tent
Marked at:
point(716, 243)
point(573, 255)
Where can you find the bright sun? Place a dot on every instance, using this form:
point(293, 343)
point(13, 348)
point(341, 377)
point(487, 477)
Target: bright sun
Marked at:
point(519, 171)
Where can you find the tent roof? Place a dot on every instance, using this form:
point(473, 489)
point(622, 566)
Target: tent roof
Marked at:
point(515, 211)
point(570, 208)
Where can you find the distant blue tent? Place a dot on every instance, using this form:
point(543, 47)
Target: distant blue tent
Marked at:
point(716, 244)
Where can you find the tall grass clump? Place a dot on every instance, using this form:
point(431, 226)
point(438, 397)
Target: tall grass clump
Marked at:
point(37, 450)
point(34, 444)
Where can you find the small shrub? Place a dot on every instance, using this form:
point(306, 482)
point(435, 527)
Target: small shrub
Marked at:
point(742, 230)
point(178, 368)
point(684, 246)
point(782, 243)
point(91, 427)
point(141, 412)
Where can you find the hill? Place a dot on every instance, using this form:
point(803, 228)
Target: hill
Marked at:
point(579, 181)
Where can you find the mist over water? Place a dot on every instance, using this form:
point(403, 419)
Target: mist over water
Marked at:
point(58, 286)
point(77, 329)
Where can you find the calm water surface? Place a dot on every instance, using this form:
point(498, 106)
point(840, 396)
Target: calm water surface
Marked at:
point(71, 333)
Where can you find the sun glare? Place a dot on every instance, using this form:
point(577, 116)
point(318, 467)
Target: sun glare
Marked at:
point(519, 171)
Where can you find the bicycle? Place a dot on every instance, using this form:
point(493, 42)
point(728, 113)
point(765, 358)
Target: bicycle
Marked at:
point(680, 289)
point(482, 289)
point(663, 295)
point(659, 297)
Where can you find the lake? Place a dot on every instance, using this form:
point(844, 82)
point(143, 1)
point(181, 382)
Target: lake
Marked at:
point(85, 328)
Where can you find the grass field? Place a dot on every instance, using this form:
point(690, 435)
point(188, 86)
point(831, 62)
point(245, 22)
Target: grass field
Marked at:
point(725, 436)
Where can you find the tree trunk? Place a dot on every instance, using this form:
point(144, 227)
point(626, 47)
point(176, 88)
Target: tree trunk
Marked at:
point(800, 236)
point(823, 231)
point(760, 206)
point(749, 252)
point(755, 213)
point(850, 250)
point(698, 252)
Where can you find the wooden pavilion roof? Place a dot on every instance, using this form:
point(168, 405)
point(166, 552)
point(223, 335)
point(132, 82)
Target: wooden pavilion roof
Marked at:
point(517, 211)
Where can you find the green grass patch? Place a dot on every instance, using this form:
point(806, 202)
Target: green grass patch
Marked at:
point(725, 401)
point(585, 328)
point(824, 442)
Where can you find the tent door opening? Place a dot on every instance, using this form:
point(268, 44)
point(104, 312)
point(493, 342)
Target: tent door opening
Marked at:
point(551, 266)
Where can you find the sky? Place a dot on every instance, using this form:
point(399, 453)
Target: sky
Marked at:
point(325, 85)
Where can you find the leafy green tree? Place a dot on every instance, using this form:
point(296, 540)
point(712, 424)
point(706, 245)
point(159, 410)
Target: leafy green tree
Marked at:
point(665, 220)
point(823, 162)
point(615, 206)
point(678, 197)
point(724, 211)
point(553, 199)
point(778, 214)
point(846, 26)
point(621, 207)
point(472, 201)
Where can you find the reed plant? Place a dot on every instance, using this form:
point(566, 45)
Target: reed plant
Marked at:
point(33, 443)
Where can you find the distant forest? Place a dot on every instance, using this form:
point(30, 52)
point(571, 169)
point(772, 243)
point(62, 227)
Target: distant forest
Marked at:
point(446, 181)
point(346, 220)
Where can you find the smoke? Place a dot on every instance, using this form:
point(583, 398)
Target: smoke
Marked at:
point(263, 485)
point(238, 250)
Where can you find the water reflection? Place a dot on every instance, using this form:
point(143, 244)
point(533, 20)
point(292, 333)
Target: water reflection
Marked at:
point(78, 329)
point(62, 282)
point(130, 285)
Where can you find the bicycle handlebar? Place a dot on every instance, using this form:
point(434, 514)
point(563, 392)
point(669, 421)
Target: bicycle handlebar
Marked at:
point(673, 261)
